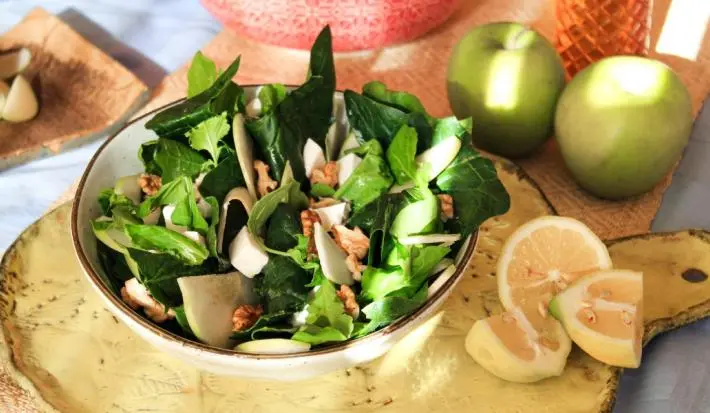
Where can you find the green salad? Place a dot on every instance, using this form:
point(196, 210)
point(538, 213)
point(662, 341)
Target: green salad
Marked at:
point(278, 219)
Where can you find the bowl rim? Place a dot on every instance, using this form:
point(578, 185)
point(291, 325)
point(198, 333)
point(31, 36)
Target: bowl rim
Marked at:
point(199, 346)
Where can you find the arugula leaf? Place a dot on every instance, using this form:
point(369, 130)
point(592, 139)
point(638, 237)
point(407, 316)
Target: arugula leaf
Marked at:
point(178, 119)
point(211, 236)
point(177, 159)
point(375, 120)
point(375, 219)
point(401, 153)
point(282, 287)
point(155, 237)
point(451, 126)
point(473, 183)
point(327, 320)
point(223, 178)
point(108, 200)
point(201, 75)
point(299, 254)
point(283, 228)
point(271, 95)
point(386, 310)
point(146, 154)
point(368, 181)
point(322, 190)
point(159, 273)
point(404, 101)
point(207, 135)
point(263, 209)
point(268, 325)
point(281, 134)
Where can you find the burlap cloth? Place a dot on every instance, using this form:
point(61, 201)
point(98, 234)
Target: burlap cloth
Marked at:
point(420, 67)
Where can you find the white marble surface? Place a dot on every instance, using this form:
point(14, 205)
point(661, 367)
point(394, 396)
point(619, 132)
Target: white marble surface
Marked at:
point(674, 377)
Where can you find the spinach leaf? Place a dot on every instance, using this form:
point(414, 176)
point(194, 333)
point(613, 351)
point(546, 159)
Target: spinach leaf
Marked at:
point(403, 101)
point(223, 178)
point(176, 159)
point(211, 236)
point(263, 209)
point(155, 237)
point(368, 181)
point(326, 320)
point(146, 154)
point(201, 75)
point(386, 310)
point(281, 134)
point(473, 183)
point(115, 266)
point(375, 219)
point(451, 126)
point(322, 190)
point(270, 96)
point(108, 200)
point(159, 273)
point(207, 135)
point(282, 287)
point(375, 120)
point(267, 326)
point(401, 153)
point(283, 227)
point(177, 120)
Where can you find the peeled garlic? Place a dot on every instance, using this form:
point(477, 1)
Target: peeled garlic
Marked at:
point(21, 102)
point(14, 62)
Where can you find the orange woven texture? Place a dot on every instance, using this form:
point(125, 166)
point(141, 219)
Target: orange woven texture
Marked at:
point(420, 67)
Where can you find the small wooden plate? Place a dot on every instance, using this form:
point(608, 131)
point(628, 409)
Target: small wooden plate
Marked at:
point(84, 94)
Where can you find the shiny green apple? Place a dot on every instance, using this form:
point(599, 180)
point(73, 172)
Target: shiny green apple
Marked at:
point(508, 78)
point(622, 124)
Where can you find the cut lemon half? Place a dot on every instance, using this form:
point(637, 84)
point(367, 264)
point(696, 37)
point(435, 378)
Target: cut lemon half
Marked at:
point(520, 345)
point(544, 256)
point(603, 314)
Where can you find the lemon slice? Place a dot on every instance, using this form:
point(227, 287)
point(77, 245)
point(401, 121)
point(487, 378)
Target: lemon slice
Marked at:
point(544, 256)
point(603, 314)
point(523, 345)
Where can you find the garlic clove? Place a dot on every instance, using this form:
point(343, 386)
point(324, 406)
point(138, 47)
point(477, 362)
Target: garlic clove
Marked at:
point(21, 102)
point(14, 62)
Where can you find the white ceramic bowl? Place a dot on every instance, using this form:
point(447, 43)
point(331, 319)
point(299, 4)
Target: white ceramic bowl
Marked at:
point(118, 157)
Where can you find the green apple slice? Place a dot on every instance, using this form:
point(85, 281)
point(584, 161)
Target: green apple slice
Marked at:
point(430, 239)
point(209, 302)
point(439, 156)
point(416, 218)
point(332, 258)
point(128, 186)
point(245, 153)
point(273, 346)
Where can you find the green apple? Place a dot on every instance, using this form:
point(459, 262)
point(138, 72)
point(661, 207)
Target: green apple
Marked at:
point(622, 124)
point(508, 78)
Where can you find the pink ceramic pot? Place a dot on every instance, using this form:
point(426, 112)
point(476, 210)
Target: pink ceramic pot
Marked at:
point(356, 24)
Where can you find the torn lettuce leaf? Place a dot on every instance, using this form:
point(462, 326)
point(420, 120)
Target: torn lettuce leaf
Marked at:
point(369, 180)
point(108, 200)
point(146, 154)
point(478, 194)
point(207, 135)
point(201, 74)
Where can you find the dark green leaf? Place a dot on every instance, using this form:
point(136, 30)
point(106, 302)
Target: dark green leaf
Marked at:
point(282, 287)
point(386, 310)
point(375, 219)
point(211, 236)
point(207, 135)
point(179, 192)
point(178, 119)
point(176, 159)
point(201, 75)
point(267, 326)
point(451, 126)
point(403, 101)
point(181, 319)
point(287, 194)
point(146, 153)
point(322, 190)
point(114, 265)
point(368, 181)
point(401, 154)
point(157, 238)
point(473, 183)
point(283, 228)
point(226, 176)
point(108, 200)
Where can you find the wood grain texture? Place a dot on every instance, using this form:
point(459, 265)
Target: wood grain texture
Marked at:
point(84, 94)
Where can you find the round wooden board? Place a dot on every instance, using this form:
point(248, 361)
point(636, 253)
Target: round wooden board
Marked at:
point(62, 351)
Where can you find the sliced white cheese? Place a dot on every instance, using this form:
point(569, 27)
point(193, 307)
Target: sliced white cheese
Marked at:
point(332, 258)
point(129, 187)
point(195, 236)
point(299, 318)
point(335, 214)
point(441, 280)
point(253, 108)
point(346, 167)
point(152, 218)
point(167, 217)
point(204, 208)
point(14, 62)
point(246, 254)
point(430, 239)
point(21, 103)
point(273, 346)
point(313, 156)
point(349, 143)
point(439, 156)
point(245, 153)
